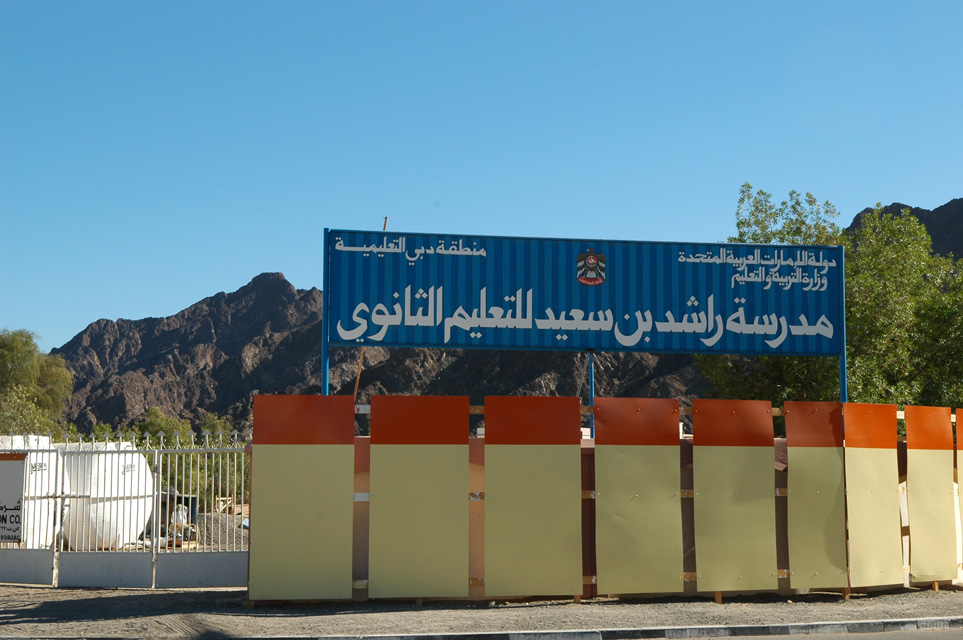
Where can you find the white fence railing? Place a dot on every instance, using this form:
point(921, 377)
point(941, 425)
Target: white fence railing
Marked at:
point(90, 507)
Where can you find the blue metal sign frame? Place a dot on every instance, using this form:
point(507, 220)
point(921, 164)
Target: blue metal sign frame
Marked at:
point(456, 291)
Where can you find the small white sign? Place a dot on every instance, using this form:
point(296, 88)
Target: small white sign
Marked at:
point(12, 466)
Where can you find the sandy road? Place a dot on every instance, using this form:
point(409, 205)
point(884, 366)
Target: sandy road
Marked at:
point(47, 612)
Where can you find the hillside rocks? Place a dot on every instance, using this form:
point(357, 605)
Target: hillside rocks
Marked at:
point(266, 338)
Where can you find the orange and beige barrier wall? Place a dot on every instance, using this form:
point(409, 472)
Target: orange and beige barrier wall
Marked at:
point(422, 510)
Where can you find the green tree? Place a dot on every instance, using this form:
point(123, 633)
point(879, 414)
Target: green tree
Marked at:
point(796, 220)
point(31, 377)
point(156, 423)
point(904, 332)
point(902, 303)
point(20, 415)
point(215, 427)
point(102, 431)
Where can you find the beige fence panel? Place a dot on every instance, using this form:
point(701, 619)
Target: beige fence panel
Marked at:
point(533, 497)
point(735, 505)
point(302, 498)
point(816, 501)
point(638, 506)
point(418, 541)
point(929, 493)
point(872, 495)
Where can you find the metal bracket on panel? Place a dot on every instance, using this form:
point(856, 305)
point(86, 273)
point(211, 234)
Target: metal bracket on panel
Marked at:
point(689, 576)
point(359, 584)
point(362, 497)
point(476, 495)
point(687, 493)
point(588, 494)
point(782, 492)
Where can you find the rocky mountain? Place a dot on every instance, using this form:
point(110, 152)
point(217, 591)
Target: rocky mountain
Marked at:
point(266, 338)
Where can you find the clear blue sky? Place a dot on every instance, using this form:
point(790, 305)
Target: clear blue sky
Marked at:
point(155, 153)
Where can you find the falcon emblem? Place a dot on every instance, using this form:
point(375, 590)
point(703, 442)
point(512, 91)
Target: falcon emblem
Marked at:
point(590, 268)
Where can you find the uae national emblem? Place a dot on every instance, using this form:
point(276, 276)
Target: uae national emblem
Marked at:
point(590, 268)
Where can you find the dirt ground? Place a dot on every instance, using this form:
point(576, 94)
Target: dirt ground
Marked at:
point(35, 612)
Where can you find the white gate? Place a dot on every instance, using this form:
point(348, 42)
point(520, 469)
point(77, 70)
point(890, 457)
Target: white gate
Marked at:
point(107, 514)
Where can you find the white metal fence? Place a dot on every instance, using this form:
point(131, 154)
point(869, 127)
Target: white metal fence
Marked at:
point(117, 513)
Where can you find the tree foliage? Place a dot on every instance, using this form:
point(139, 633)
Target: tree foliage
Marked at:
point(796, 220)
point(20, 415)
point(904, 335)
point(156, 425)
point(902, 303)
point(34, 386)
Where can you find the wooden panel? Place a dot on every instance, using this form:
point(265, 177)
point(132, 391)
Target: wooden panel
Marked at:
point(872, 495)
point(301, 522)
point(816, 513)
point(814, 424)
point(638, 510)
point(929, 495)
point(636, 421)
point(929, 428)
point(638, 519)
point(303, 419)
point(870, 426)
point(419, 420)
point(527, 420)
point(533, 521)
point(735, 518)
point(418, 540)
point(734, 504)
point(816, 500)
point(732, 423)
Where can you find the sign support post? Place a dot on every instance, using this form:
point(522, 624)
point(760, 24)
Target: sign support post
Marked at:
point(591, 399)
point(325, 312)
point(843, 390)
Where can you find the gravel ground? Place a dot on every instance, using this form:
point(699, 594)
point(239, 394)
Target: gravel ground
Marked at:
point(46, 612)
point(221, 531)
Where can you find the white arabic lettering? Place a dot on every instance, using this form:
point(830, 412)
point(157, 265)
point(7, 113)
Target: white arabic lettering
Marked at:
point(423, 308)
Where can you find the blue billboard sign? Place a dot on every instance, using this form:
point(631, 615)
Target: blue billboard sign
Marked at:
point(451, 291)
